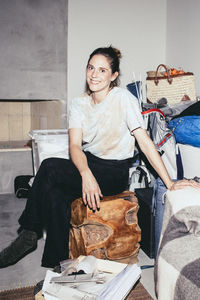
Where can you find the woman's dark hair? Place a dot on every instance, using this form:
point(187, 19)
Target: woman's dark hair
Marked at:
point(113, 55)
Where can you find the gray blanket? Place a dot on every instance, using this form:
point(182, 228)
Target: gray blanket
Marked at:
point(177, 268)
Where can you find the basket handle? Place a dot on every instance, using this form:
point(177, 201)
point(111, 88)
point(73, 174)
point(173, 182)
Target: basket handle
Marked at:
point(169, 79)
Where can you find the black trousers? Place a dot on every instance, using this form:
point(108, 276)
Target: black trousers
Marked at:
point(55, 186)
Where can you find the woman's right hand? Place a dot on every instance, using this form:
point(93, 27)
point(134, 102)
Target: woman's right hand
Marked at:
point(181, 184)
point(91, 192)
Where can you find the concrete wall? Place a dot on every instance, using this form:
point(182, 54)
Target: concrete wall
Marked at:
point(33, 47)
point(137, 28)
point(183, 44)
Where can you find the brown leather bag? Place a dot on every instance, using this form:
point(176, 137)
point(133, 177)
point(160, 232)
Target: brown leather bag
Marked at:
point(110, 233)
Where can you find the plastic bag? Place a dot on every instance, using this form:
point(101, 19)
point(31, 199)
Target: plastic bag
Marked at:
point(186, 130)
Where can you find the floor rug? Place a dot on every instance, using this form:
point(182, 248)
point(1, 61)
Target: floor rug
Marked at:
point(139, 293)
point(27, 293)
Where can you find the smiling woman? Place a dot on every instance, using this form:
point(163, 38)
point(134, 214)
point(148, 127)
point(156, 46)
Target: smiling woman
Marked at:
point(105, 63)
point(103, 126)
point(99, 77)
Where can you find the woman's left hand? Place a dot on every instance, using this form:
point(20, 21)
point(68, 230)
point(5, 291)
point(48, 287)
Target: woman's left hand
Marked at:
point(184, 183)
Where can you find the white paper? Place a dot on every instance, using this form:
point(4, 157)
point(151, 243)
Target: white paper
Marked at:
point(49, 297)
point(109, 266)
point(88, 264)
point(118, 280)
point(61, 291)
point(121, 284)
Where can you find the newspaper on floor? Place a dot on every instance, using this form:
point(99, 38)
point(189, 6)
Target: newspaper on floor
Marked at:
point(104, 280)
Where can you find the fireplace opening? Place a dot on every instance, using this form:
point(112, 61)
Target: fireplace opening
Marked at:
point(19, 117)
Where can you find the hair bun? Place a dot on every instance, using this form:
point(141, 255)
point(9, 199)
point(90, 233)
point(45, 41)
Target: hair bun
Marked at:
point(117, 52)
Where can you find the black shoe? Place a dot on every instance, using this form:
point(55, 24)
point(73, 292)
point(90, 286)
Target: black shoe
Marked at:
point(25, 243)
point(38, 287)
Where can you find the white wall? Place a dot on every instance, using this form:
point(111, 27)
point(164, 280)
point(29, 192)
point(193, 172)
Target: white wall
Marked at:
point(182, 40)
point(137, 28)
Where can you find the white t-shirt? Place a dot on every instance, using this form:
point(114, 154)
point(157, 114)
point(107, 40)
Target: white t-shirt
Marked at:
point(107, 126)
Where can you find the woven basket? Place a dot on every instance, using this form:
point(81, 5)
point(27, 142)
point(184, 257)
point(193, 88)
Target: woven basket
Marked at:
point(152, 74)
point(173, 87)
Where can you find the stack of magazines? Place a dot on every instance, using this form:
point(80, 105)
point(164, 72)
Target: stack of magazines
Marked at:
point(88, 277)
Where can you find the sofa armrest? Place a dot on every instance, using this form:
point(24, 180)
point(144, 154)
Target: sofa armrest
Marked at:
point(177, 263)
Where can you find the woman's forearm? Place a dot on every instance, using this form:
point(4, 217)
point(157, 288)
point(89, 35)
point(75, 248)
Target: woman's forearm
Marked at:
point(148, 148)
point(157, 163)
point(79, 159)
point(91, 192)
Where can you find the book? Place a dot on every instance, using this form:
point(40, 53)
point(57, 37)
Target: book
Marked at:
point(98, 280)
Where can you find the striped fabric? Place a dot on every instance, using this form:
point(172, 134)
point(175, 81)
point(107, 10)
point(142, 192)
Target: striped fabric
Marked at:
point(177, 268)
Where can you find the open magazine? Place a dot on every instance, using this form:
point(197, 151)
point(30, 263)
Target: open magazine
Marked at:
point(91, 278)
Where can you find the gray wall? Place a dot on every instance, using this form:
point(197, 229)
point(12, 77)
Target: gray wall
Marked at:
point(183, 43)
point(33, 47)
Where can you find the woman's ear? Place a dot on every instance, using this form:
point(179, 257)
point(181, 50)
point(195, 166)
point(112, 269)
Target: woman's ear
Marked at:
point(114, 76)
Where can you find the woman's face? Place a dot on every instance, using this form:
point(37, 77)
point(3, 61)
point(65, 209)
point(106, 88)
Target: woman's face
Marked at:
point(99, 74)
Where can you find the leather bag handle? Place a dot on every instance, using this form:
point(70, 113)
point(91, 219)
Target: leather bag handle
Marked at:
point(169, 79)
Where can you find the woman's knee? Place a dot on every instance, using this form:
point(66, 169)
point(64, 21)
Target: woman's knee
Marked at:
point(54, 163)
point(49, 162)
point(49, 170)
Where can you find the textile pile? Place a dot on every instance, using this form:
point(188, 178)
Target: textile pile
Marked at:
point(177, 267)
